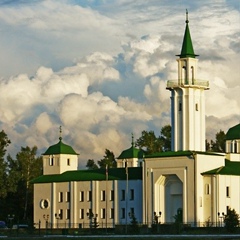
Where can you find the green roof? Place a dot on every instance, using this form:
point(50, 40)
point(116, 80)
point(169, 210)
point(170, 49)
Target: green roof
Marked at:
point(131, 152)
point(60, 148)
point(233, 133)
point(134, 173)
point(230, 168)
point(187, 46)
point(178, 154)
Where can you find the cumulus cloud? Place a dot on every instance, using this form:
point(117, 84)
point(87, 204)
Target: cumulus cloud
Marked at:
point(105, 77)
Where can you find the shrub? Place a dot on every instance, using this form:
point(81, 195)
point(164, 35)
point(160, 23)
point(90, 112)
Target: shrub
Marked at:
point(231, 220)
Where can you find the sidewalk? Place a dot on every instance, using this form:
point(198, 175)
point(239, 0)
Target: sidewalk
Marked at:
point(151, 236)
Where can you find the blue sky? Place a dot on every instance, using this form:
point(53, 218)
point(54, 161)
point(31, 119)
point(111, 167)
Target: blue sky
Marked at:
point(99, 69)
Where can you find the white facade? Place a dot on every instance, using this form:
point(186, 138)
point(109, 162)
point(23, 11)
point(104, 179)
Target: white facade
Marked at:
point(188, 107)
point(69, 202)
point(59, 163)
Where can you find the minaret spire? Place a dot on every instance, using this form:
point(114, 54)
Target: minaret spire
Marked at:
point(60, 133)
point(187, 46)
point(132, 140)
point(187, 17)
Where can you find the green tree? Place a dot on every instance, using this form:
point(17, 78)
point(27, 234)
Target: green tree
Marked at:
point(108, 159)
point(26, 167)
point(91, 164)
point(4, 142)
point(219, 144)
point(166, 137)
point(179, 216)
point(231, 220)
point(134, 228)
point(4, 177)
point(149, 142)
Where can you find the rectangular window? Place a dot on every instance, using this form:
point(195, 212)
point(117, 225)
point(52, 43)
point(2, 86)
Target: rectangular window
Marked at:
point(131, 194)
point(60, 197)
point(228, 191)
point(89, 212)
point(68, 161)
point(68, 214)
point(112, 195)
point(81, 213)
point(123, 213)
point(123, 195)
point(60, 213)
point(89, 196)
point(207, 189)
point(112, 213)
point(196, 106)
point(81, 196)
point(103, 213)
point(67, 196)
point(103, 195)
point(132, 211)
point(180, 107)
point(51, 160)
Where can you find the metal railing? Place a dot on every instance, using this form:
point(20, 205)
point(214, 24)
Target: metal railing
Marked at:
point(103, 225)
point(187, 83)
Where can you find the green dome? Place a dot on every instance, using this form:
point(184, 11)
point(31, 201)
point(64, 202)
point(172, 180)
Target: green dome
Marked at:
point(233, 133)
point(60, 148)
point(132, 152)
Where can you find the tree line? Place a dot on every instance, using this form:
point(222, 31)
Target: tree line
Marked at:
point(16, 192)
point(150, 143)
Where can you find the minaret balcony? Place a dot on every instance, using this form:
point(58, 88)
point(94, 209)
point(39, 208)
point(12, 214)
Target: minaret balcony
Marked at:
point(192, 83)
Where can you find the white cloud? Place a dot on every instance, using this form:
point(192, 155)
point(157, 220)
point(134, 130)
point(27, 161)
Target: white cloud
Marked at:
point(99, 90)
point(43, 123)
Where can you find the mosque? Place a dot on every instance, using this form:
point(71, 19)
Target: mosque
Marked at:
point(186, 182)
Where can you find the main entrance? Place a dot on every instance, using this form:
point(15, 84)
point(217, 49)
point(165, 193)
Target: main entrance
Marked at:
point(169, 197)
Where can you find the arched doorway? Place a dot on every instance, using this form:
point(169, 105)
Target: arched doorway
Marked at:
point(173, 197)
point(169, 196)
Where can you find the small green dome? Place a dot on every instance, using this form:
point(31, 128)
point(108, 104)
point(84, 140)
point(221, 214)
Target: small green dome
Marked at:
point(233, 133)
point(132, 152)
point(60, 148)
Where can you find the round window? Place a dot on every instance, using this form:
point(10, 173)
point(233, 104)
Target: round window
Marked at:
point(44, 203)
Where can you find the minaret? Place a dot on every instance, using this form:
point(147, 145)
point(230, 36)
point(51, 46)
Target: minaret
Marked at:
point(187, 100)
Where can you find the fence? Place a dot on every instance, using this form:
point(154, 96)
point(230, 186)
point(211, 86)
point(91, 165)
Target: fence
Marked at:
point(140, 228)
point(103, 225)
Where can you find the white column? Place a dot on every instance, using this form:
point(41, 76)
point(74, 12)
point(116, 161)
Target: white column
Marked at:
point(53, 203)
point(185, 197)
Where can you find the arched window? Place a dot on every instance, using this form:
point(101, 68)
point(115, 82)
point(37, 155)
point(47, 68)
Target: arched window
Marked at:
point(180, 107)
point(207, 189)
point(235, 146)
point(192, 74)
point(51, 159)
point(184, 75)
point(196, 106)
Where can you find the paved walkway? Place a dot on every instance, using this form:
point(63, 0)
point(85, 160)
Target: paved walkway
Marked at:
point(151, 236)
point(180, 236)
